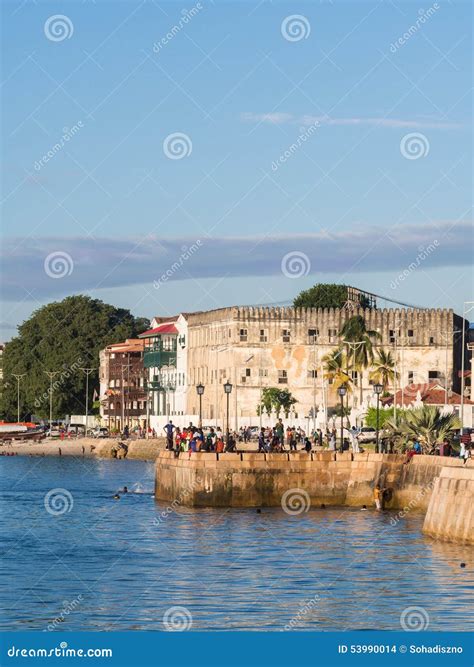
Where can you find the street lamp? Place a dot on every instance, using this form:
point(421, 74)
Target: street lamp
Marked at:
point(227, 390)
point(87, 371)
point(342, 391)
point(378, 389)
point(51, 375)
point(200, 392)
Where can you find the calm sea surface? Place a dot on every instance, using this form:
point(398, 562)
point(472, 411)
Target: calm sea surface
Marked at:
point(118, 565)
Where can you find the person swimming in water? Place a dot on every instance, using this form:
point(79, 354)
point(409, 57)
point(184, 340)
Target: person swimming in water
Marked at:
point(116, 496)
point(125, 489)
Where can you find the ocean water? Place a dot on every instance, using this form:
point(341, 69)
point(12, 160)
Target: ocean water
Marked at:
point(73, 558)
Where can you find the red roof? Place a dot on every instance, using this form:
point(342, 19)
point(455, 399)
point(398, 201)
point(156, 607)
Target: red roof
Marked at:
point(162, 329)
point(432, 393)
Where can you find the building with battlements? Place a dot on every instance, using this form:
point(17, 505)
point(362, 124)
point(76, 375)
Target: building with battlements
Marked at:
point(258, 347)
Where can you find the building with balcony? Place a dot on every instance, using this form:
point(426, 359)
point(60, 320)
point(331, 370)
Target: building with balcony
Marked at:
point(165, 363)
point(122, 385)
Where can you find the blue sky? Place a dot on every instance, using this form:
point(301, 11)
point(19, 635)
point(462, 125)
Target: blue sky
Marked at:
point(295, 147)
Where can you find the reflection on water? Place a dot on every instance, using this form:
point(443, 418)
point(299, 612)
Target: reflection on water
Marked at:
point(120, 564)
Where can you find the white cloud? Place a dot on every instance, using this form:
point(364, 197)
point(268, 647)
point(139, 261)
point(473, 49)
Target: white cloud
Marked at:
point(280, 118)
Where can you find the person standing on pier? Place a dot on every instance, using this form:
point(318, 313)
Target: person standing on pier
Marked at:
point(169, 429)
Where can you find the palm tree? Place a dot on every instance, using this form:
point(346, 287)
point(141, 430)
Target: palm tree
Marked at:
point(334, 364)
point(383, 369)
point(427, 424)
point(360, 345)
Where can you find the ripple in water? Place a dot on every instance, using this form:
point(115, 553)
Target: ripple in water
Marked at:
point(131, 563)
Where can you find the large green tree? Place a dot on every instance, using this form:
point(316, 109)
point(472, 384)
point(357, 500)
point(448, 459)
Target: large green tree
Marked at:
point(280, 400)
point(62, 337)
point(326, 295)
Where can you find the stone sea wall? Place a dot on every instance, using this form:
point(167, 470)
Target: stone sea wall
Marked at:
point(259, 480)
point(450, 514)
point(145, 450)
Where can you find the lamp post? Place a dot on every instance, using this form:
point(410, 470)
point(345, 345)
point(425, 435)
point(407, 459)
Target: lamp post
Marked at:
point(18, 377)
point(87, 371)
point(342, 391)
point(378, 389)
point(468, 306)
point(200, 392)
point(51, 375)
point(227, 390)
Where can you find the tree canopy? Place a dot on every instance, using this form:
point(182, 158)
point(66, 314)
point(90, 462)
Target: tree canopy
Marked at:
point(280, 400)
point(326, 295)
point(63, 337)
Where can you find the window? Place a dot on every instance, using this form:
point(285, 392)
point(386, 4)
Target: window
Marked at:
point(355, 378)
point(312, 373)
point(282, 377)
point(285, 334)
point(410, 333)
point(248, 372)
point(433, 375)
point(263, 372)
point(263, 336)
point(332, 335)
point(391, 336)
point(411, 377)
point(313, 335)
point(168, 344)
point(243, 335)
point(432, 340)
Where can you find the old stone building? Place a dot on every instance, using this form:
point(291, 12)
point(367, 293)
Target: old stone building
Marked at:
point(262, 347)
point(254, 348)
point(122, 380)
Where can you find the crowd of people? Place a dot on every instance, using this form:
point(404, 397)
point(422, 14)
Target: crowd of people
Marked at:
point(279, 438)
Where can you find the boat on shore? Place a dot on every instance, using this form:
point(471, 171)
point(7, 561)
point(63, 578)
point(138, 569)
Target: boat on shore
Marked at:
point(20, 431)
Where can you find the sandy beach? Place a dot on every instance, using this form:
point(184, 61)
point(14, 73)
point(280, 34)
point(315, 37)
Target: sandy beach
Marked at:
point(87, 447)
